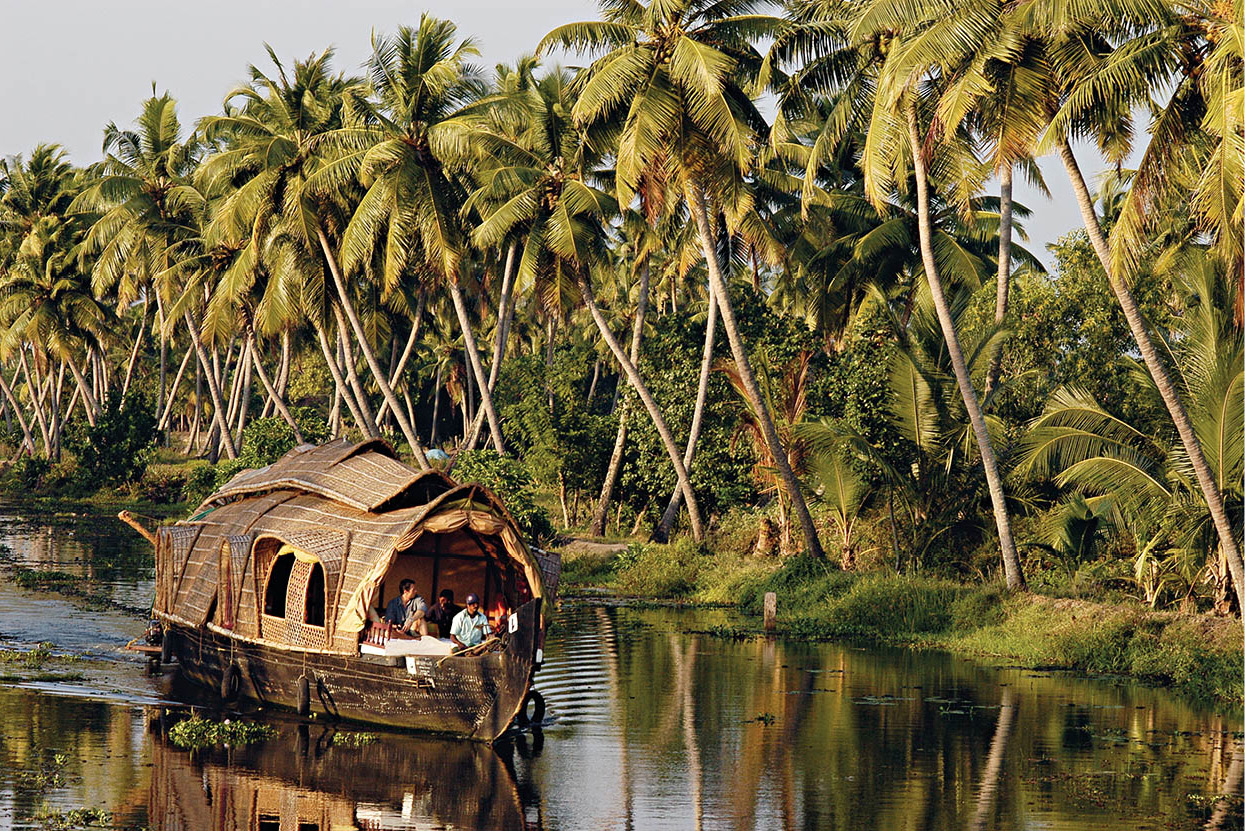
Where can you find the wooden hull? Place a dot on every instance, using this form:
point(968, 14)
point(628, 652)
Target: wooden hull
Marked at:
point(474, 697)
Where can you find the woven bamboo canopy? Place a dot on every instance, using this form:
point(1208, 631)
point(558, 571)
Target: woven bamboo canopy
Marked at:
point(349, 510)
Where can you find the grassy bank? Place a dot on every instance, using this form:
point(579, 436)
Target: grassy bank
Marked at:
point(1198, 655)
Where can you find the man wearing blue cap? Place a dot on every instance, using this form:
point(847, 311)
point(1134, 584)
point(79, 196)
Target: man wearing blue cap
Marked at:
point(470, 626)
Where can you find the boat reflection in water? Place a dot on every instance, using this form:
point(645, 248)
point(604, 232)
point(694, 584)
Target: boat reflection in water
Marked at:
point(301, 779)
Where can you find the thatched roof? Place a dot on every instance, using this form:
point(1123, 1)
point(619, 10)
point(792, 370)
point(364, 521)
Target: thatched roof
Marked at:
point(353, 507)
point(366, 476)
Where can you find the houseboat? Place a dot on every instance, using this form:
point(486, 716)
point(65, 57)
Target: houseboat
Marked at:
point(272, 589)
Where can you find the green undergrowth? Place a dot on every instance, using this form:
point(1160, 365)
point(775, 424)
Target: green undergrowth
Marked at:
point(1197, 654)
point(199, 732)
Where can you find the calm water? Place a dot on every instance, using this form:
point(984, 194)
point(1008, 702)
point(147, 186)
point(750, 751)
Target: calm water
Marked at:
point(649, 725)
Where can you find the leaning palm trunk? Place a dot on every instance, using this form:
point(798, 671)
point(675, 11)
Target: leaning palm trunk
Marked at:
point(477, 369)
point(368, 355)
point(168, 405)
point(601, 515)
point(1005, 269)
point(343, 391)
point(1162, 379)
point(218, 405)
point(89, 403)
point(346, 360)
point(138, 344)
point(34, 388)
point(27, 438)
point(696, 201)
point(396, 371)
point(662, 533)
point(663, 430)
point(505, 309)
point(1011, 560)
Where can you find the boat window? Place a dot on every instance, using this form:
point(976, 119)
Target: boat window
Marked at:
point(278, 582)
point(314, 612)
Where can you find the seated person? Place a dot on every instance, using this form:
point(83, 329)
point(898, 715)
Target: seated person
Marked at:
point(408, 612)
point(443, 611)
point(470, 625)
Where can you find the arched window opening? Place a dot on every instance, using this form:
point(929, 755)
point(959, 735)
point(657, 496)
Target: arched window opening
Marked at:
point(314, 612)
point(278, 583)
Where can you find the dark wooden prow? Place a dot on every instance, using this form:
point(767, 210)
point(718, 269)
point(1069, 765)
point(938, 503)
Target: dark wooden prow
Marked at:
point(128, 519)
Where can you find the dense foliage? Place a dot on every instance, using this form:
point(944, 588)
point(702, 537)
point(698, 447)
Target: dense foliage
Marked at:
point(529, 260)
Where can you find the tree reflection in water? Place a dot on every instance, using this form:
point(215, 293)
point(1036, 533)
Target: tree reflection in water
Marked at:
point(653, 726)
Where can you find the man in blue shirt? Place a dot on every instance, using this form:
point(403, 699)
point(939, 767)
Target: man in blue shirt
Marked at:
point(470, 626)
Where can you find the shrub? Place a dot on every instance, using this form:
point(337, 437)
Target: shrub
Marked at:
point(162, 484)
point(661, 571)
point(200, 482)
point(509, 479)
point(117, 448)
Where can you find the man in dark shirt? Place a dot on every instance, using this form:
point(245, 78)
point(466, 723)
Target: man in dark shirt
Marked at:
point(401, 610)
point(443, 611)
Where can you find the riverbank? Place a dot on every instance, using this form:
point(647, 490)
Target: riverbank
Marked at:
point(1199, 655)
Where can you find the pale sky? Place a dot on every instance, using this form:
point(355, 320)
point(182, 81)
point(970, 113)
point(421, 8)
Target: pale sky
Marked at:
point(68, 67)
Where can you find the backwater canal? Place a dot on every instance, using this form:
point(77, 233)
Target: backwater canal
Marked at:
point(650, 724)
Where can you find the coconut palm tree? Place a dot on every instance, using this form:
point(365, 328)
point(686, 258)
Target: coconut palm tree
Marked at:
point(405, 152)
point(142, 201)
point(1161, 46)
point(270, 155)
point(669, 94)
point(1086, 448)
point(540, 186)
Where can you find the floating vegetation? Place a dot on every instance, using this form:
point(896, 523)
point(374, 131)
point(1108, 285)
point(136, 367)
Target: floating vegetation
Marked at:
point(49, 775)
point(726, 631)
point(198, 732)
point(73, 819)
point(33, 658)
point(764, 719)
point(353, 739)
point(885, 699)
point(49, 580)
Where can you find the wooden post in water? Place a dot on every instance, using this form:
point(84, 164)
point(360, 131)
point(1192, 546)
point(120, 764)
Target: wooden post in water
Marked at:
point(771, 611)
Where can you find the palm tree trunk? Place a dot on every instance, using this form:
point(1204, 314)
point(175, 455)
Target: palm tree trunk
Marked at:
point(505, 311)
point(601, 515)
point(218, 405)
point(168, 405)
point(663, 430)
point(383, 383)
point(1162, 379)
point(477, 369)
point(27, 438)
point(343, 391)
point(1011, 559)
point(347, 361)
point(435, 433)
point(244, 396)
point(696, 200)
point(89, 403)
point(32, 386)
point(275, 396)
point(596, 376)
point(1005, 269)
point(662, 533)
point(58, 390)
point(396, 372)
